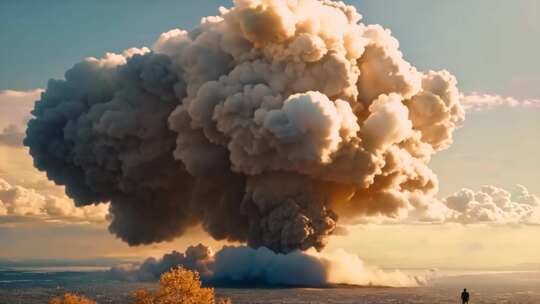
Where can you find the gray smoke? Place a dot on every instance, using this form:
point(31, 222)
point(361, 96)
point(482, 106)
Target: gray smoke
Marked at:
point(197, 258)
point(264, 124)
point(243, 266)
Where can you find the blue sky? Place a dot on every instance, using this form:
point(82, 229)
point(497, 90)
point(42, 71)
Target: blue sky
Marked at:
point(490, 45)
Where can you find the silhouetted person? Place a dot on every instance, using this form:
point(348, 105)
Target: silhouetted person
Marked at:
point(465, 296)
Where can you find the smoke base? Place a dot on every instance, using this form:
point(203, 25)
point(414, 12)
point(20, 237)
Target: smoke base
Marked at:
point(248, 267)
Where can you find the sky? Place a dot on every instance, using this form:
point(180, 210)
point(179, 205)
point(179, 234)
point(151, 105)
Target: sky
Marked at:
point(491, 46)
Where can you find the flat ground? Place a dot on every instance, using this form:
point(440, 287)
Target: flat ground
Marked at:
point(500, 288)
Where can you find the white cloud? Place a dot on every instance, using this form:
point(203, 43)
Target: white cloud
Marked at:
point(490, 204)
point(479, 102)
point(21, 201)
point(25, 202)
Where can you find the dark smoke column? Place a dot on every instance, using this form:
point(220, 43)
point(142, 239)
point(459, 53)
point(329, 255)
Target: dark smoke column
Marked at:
point(264, 124)
point(102, 132)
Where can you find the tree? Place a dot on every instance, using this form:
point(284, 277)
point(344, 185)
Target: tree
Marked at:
point(178, 286)
point(70, 298)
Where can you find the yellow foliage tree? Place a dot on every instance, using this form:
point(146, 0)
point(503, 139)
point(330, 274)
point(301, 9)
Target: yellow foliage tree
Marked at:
point(178, 286)
point(70, 298)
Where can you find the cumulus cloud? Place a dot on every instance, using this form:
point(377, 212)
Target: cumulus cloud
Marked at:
point(240, 266)
point(480, 102)
point(265, 124)
point(19, 201)
point(489, 204)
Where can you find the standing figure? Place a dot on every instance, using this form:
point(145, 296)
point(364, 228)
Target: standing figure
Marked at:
point(465, 296)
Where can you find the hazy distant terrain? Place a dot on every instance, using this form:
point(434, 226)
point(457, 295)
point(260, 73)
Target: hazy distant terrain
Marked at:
point(29, 287)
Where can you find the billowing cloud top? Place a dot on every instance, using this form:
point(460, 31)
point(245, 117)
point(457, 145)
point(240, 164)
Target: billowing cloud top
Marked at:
point(264, 124)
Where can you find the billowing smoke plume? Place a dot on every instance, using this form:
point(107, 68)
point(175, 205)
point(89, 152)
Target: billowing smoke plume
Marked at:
point(197, 258)
point(241, 266)
point(264, 124)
